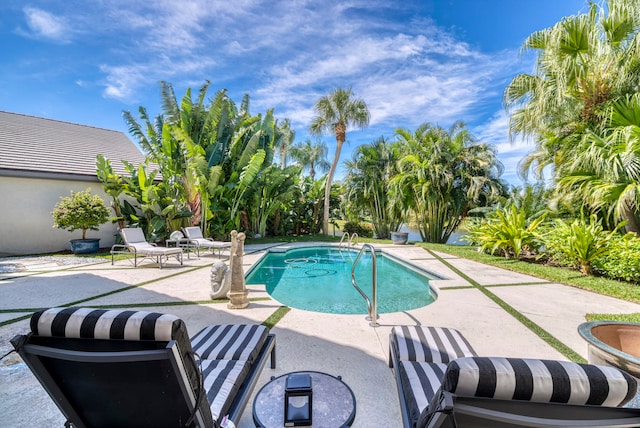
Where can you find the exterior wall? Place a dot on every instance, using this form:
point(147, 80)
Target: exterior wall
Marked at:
point(26, 224)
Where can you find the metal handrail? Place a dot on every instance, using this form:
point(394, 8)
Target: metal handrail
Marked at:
point(372, 304)
point(349, 242)
point(353, 235)
point(342, 239)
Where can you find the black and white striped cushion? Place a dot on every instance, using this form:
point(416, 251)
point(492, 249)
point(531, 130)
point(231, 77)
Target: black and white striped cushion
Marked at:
point(106, 324)
point(430, 344)
point(230, 342)
point(420, 381)
point(539, 380)
point(222, 380)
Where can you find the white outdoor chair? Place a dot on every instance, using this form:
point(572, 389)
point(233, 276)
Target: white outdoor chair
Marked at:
point(197, 240)
point(136, 243)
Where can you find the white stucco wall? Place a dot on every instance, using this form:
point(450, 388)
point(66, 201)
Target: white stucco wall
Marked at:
point(26, 225)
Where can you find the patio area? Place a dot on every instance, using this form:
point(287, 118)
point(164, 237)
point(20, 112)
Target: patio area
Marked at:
point(340, 345)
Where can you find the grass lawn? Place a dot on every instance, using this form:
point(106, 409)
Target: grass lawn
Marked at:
point(608, 287)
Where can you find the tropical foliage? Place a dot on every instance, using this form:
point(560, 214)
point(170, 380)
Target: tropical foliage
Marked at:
point(580, 242)
point(508, 231)
point(442, 174)
point(310, 156)
point(622, 260)
point(368, 174)
point(581, 109)
point(202, 158)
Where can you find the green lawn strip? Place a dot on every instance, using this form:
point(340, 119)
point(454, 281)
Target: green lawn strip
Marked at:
point(600, 285)
point(276, 316)
point(14, 320)
point(535, 328)
point(633, 317)
point(109, 293)
point(457, 287)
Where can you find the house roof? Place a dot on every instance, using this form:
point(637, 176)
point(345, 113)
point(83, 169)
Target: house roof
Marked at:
point(39, 147)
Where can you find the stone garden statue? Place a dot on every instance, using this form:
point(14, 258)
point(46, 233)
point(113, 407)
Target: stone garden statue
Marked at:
point(238, 294)
point(220, 280)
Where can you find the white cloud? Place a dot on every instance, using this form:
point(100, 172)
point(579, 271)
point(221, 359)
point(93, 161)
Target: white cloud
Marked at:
point(43, 24)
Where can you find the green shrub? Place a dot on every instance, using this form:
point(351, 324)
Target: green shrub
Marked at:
point(623, 259)
point(362, 229)
point(507, 230)
point(81, 210)
point(579, 243)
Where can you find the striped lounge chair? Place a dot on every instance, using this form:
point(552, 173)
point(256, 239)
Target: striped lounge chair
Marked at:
point(443, 383)
point(120, 368)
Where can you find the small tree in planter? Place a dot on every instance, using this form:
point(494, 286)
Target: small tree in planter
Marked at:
point(81, 210)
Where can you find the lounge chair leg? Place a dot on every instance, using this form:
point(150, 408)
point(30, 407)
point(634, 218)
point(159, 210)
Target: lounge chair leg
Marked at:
point(273, 355)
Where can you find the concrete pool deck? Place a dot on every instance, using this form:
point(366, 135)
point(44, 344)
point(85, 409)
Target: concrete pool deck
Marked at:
point(343, 345)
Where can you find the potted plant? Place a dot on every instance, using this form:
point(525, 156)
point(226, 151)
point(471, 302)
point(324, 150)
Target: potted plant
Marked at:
point(399, 238)
point(84, 211)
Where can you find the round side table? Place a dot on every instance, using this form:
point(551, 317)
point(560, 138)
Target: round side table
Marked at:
point(334, 404)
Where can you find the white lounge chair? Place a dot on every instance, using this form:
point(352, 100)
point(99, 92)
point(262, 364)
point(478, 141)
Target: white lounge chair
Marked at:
point(197, 240)
point(135, 242)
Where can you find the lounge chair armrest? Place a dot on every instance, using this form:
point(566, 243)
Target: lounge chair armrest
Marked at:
point(122, 248)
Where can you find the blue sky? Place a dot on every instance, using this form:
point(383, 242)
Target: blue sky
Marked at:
point(411, 61)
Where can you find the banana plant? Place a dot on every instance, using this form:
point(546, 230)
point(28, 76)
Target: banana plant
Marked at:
point(275, 187)
point(246, 179)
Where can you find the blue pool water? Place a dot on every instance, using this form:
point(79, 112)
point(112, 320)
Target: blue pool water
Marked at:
point(319, 279)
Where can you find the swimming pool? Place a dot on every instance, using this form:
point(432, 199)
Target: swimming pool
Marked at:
point(319, 279)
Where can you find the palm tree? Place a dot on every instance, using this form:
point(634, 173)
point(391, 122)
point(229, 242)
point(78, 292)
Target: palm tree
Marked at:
point(284, 140)
point(606, 175)
point(584, 61)
point(368, 176)
point(586, 65)
point(442, 174)
point(335, 113)
point(311, 156)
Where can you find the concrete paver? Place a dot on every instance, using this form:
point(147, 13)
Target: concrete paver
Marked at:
point(342, 345)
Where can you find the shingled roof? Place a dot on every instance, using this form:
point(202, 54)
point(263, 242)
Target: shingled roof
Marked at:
point(38, 147)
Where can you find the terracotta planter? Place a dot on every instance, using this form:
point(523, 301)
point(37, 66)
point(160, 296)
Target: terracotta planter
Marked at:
point(85, 246)
point(613, 343)
point(399, 238)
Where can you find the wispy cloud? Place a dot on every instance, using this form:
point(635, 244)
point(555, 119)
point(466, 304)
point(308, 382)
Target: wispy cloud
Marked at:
point(45, 25)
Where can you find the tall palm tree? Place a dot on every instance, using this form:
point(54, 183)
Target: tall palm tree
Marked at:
point(442, 174)
point(311, 156)
point(335, 113)
point(284, 140)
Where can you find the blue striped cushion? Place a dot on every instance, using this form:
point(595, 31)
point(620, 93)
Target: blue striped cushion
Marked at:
point(230, 342)
point(430, 344)
point(107, 324)
point(539, 380)
point(420, 381)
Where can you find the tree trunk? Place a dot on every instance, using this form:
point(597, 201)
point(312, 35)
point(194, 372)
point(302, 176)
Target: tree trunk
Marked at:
point(632, 221)
point(327, 189)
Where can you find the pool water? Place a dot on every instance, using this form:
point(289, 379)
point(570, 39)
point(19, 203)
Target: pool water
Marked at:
point(319, 279)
